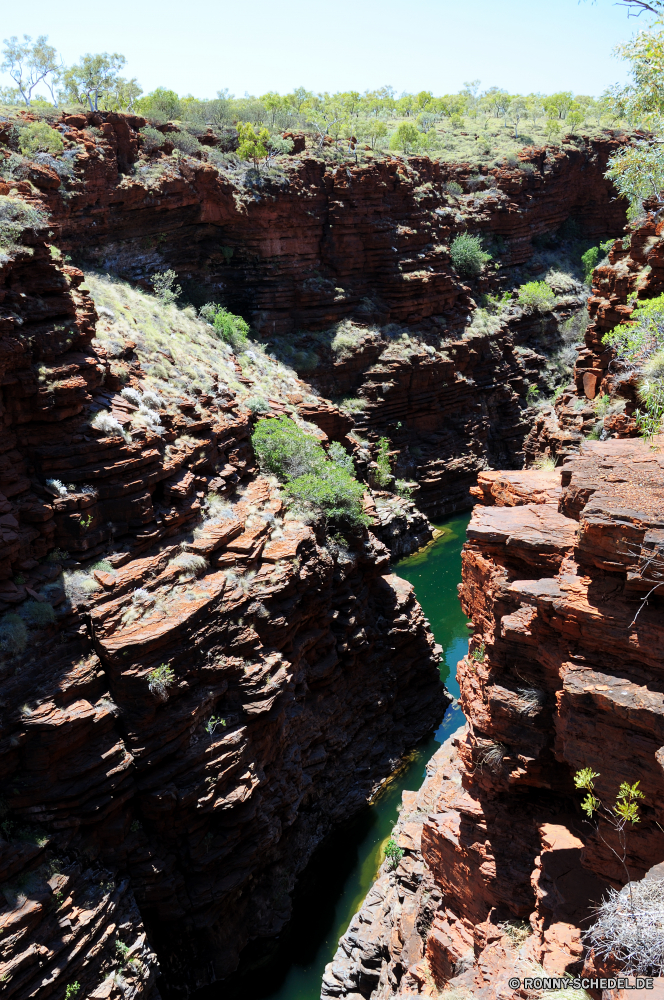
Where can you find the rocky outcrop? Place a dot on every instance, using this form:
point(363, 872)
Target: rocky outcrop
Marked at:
point(500, 870)
point(190, 675)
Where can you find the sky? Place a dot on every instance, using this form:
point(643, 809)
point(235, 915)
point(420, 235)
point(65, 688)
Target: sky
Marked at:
point(203, 46)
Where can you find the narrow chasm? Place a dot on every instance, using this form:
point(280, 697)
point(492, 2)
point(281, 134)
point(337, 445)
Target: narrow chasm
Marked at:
point(245, 745)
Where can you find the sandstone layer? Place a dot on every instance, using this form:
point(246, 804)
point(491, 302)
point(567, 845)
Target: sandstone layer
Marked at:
point(562, 577)
point(190, 675)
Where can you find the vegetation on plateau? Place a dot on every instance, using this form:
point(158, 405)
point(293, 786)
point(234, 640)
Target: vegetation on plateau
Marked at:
point(474, 125)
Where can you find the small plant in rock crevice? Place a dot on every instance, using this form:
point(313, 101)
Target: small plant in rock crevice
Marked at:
point(393, 853)
point(160, 680)
point(478, 653)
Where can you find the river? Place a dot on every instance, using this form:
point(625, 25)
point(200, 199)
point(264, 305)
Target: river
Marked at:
point(341, 872)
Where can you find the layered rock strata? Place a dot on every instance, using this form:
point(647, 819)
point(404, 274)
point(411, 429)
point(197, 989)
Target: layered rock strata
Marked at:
point(562, 576)
point(189, 674)
point(305, 248)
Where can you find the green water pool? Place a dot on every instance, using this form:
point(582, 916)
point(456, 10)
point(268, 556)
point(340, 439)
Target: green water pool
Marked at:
point(343, 869)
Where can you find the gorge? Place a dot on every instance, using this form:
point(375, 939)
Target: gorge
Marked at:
point(201, 681)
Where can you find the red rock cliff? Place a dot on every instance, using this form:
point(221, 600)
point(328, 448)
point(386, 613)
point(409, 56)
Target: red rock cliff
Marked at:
point(560, 576)
point(180, 803)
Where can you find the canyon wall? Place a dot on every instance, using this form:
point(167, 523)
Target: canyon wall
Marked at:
point(302, 248)
point(561, 573)
point(305, 248)
point(190, 675)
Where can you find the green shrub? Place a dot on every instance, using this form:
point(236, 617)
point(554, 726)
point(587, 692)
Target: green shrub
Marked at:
point(589, 261)
point(340, 457)
point(537, 295)
point(468, 257)
point(231, 329)
point(335, 493)
point(298, 458)
point(393, 853)
point(641, 343)
point(39, 137)
point(383, 474)
point(478, 654)
point(152, 138)
point(285, 450)
point(451, 187)
point(257, 404)
point(13, 634)
point(164, 286)
point(72, 991)
point(160, 679)
point(15, 217)
point(185, 142)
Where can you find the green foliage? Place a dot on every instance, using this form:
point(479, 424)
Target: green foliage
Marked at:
point(393, 853)
point(299, 459)
point(213, 723)
point(164, 286)
point(30, 63)
point(467, 254)
point(39, 137)
point(335, 493)
point(160, 679)
point(72, 990)
point(405, 137)
point(478, 654)
point(161, 104)
point(96, 78)
point(15, 217)
point(252, 145)
point(532, 394)
point(589, 261)
point(257, 404)
point(340, 457)
point(639, 343)
point(231, 329)
point(537, 295)
point(285, 450)
point(404, 489)
point(626, 807)
point(152, 138)
point(383, 473)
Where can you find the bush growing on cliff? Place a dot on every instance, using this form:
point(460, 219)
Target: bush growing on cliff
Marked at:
point(393, 853)
point(468, 257)
point(164, 286)
point(232, 329)
point(383, 474)
point(38, 137)
point(286, 451)
point(337, 494)
point(15, 217)
point(298, 458)
point(160, 679)
point(639, 345)
point(537, 296)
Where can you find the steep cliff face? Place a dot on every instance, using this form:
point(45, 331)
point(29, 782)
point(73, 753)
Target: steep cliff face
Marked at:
point(561, 575)
point(634, 272)
point(189, 674)
point(304, 249)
